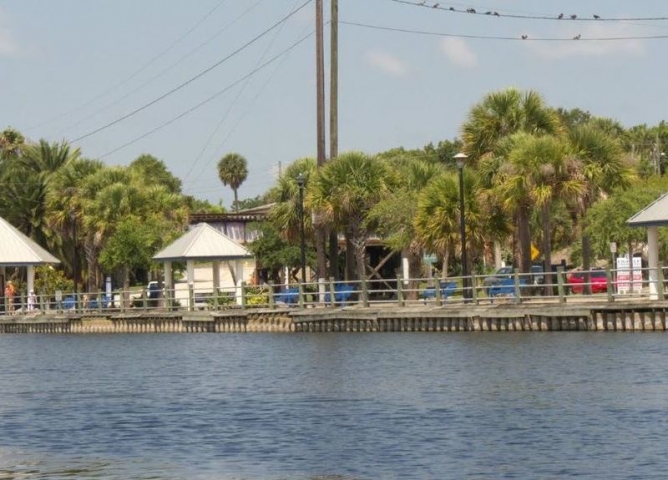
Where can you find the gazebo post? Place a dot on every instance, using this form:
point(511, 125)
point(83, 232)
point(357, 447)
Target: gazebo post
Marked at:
point(216, 277)
point(653, 260)
point(31, 279)
point(169, 286)
point(239, 271)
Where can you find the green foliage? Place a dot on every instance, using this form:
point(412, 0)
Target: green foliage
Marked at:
point(273, 252)
point(155, 172)
point(132, 244)
point(49, 279)
point(257, 296)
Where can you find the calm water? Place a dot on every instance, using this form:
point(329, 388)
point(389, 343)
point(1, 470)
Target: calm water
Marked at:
point(334, 406)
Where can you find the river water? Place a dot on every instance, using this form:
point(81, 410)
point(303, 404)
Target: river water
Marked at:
point(334, 406)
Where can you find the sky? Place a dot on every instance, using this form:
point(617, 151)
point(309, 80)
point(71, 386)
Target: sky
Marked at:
point(190, 81)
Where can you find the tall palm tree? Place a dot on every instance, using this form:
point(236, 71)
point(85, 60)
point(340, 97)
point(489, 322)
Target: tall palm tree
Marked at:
point(344, 191)
point(233, 171)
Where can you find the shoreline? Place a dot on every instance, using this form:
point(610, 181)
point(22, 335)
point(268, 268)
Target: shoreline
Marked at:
point(592, 317)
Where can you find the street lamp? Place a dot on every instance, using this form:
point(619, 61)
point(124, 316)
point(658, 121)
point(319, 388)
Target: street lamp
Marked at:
point(300, 182)
point(460, 158)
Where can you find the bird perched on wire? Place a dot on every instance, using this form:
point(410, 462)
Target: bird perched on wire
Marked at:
point(573, 17)
point(496, 14)
point(561, 15)
point(597, 17)
point(577, 37)
point(471, 10)
point(488, 12)
point(452, 9)
point(524, 37)
point(435, 5)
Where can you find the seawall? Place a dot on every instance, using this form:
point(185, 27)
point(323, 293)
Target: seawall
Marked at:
point(640, 317)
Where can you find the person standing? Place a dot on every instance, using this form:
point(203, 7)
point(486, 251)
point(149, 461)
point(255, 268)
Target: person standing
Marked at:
point(10, 291)
point(32, 300)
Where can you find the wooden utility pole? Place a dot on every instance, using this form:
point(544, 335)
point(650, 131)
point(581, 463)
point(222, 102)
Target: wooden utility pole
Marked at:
point(320, 113)
point(334, 82)
point(334, 119)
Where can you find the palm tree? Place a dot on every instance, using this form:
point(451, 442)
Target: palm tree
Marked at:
point(539, 167)
point(502, 113)
point(11, 143)
point(392, 218)
point(342, 194)
point(233, 171)
point(24, 184)
point(602, 169)
point(499, 115)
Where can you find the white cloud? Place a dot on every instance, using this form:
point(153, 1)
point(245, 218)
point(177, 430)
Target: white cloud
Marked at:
point(459, 53)
point(387, 63)
point(585, 47)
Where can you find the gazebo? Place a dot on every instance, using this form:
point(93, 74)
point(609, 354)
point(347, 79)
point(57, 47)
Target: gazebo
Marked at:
point(17, 250)
point(204, 243)
point(653, 216)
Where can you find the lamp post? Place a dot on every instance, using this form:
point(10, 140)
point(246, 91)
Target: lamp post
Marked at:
point(302, 246)
point(460, 158)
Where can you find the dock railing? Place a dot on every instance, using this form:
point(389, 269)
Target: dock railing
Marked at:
point(560, 287)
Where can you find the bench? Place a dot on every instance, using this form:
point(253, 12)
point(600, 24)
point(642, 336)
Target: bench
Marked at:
point(447, 289)
point(342, 293)
point(289, 296)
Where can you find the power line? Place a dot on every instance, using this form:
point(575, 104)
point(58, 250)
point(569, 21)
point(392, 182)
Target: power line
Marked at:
point(208, 99)
point(162, 72)
point(192, 79)
point(522, 38)
point(234, 102)
point(136, 73)
point(559, 17)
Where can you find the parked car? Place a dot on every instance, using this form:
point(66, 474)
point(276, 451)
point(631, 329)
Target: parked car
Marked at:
point(597, 278)
point(504, 273)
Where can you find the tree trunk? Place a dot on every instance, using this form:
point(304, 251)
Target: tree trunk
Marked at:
point(126, 286)
point(547, 248)
point(586, 260)
point(333, 254)
point(350, 257)
point(524, 237)
point(414, 272)
point(446, 260)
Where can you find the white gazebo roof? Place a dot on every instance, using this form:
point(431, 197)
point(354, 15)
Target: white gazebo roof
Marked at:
point(17, 250)
point(203, 242)
point(654, 215)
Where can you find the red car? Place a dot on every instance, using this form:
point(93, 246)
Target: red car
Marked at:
point(597, 278)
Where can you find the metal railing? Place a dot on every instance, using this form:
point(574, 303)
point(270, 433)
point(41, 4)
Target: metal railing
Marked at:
point(557, 287)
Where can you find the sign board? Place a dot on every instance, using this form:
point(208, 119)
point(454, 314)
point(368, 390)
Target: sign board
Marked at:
point(429, 258)
point(624, 282)
point(59, 296)
point(613, 247)
point(534, 252)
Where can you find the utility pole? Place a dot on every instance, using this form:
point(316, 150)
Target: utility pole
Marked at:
point(334, 119)
point(334, 81)
point(320, 113)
